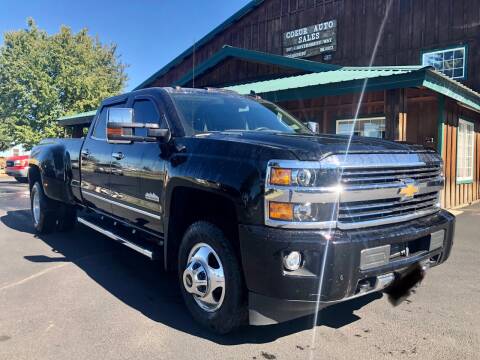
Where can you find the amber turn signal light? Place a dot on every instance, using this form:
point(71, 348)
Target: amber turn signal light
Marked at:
point(280, 211)
point(114, 131)
point(280, 176)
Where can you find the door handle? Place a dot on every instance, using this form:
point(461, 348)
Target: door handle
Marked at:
point(85, 153)
point(118, 155)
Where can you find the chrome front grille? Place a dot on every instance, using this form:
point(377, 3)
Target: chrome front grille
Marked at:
point(376, 209)
point(361, 189)
point(387, 204)
point(381, 176)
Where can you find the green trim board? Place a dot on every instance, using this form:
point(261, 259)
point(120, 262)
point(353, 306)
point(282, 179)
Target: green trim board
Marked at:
point(442, 84)
point(466, 180)
point(252, 5)
point(440, 122)
point(255, 56)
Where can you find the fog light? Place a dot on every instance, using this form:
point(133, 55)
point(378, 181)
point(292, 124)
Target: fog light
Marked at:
point(303, 212)
point(292, 261)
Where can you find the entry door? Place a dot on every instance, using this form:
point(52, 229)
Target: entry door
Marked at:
point(95, 166)
point(137, 172)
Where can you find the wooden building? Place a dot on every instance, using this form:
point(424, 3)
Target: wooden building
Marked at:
point(313, 57)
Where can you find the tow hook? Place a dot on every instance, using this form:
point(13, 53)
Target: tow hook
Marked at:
point(404, 282)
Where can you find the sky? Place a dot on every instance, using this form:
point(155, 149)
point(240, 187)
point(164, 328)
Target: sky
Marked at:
point(148, 33)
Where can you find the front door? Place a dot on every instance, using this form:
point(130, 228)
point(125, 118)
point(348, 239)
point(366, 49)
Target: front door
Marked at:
point(96, 158)
point(138, 171)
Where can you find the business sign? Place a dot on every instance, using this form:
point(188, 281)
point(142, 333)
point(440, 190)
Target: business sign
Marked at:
point(311, 40)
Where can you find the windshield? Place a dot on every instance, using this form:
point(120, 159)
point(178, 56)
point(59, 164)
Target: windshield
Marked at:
point(209, 112)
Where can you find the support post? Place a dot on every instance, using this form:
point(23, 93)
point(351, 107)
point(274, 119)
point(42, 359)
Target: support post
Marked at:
point(396, 114)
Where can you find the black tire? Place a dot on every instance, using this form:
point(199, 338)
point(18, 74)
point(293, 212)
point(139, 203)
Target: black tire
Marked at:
point(67, 218)
point(233, 310)
point(47, 218)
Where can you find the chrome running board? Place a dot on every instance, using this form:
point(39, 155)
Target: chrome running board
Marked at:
point(146, 252)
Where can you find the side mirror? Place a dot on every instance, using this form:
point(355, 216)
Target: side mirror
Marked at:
point(122, 133)
point(121, 128)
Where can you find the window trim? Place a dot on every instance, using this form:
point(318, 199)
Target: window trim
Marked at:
point(450, 48)
point(465, 180)
point(97, 117)
point(376, 117)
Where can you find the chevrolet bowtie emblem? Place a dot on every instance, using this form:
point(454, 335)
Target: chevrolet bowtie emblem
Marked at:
point(408, 191)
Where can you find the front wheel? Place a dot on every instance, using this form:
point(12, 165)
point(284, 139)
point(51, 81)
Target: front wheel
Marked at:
point(43, 210)
point(210, 278)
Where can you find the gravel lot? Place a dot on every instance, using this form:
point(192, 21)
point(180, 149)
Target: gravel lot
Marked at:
point(81, 296)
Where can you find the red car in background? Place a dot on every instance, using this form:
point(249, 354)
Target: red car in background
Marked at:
point(17, 166)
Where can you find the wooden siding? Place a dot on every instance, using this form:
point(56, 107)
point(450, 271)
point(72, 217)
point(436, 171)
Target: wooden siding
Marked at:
point(455, 194)
point(413, 26)
point(237, 71)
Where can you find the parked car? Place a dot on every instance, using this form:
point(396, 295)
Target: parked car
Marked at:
point(245, 203)
point(17, 166)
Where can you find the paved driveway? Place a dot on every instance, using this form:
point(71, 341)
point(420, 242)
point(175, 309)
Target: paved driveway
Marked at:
point(81, 296)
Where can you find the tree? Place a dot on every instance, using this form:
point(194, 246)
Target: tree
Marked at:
point(43, 77)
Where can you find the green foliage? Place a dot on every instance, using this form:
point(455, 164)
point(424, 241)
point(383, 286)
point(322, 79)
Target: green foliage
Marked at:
point(43, 77)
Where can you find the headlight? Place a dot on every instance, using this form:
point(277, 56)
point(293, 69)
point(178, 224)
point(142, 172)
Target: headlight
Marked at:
point(301, 194)
point(304, 213)
point(304, 177)
point(17, 163)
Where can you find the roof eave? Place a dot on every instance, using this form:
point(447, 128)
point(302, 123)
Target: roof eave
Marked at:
point(228, 51)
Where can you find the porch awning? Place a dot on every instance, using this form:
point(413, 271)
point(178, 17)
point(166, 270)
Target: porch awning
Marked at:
point(84, 118)
point(353, 79)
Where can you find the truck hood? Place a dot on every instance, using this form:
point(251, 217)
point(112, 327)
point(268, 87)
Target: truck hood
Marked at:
point(314, 147)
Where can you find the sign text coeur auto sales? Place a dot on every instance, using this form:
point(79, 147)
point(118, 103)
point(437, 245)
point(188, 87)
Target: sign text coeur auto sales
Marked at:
point(311, 40)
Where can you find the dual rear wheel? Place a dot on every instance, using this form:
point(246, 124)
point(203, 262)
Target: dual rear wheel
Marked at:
point(49, 214)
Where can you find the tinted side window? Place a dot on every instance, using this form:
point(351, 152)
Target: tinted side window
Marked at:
point(100, 132)
point(145, 111)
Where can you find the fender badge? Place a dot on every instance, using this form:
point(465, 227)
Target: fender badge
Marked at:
point(152, 197)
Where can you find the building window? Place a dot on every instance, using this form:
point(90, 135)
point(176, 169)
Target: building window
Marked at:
point(451, 62)
point(372, 127)
point(465, 147)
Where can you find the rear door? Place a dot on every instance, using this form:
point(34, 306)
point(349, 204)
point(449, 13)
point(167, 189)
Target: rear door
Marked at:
point(96, 158)
point(138, 171)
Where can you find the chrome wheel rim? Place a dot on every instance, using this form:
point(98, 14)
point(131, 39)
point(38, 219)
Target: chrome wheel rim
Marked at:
point(36, 207)
point(204, 278)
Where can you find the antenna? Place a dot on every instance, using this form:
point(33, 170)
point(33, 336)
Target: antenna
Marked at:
point(193, 64)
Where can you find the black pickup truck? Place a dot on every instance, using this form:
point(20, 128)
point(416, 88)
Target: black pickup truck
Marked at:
point(263, 220)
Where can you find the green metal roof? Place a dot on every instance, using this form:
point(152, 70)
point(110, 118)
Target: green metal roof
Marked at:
point(257, 56)
point(232, 19)
point(324, 78)
point(352, 80)
point(77, 119)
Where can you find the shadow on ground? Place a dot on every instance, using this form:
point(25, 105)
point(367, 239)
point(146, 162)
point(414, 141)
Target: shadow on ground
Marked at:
point(141, 284)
